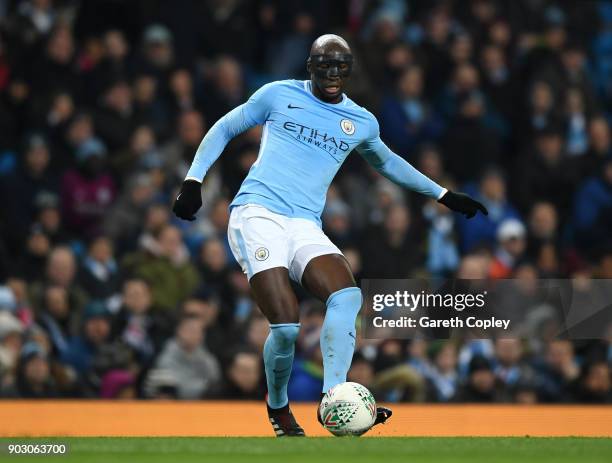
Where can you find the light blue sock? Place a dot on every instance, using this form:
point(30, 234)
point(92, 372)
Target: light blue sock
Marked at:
point(338, 335)
point(278, 359)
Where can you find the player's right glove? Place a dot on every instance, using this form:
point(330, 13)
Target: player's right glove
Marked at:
point(460, 202)
point(188, 201)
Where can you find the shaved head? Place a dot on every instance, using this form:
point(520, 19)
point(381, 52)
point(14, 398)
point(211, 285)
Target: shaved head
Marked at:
point(329, 43)
point(330, 63)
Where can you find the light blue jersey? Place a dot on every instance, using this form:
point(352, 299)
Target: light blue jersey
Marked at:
point(303, 144)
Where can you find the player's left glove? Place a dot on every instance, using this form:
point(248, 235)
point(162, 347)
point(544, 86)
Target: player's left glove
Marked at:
point(188, 201)
point(461, 202)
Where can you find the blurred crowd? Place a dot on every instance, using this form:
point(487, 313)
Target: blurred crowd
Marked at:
point(103, 293)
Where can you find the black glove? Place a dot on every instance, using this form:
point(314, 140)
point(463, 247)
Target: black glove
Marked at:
point(461, 202)
point(188, 201)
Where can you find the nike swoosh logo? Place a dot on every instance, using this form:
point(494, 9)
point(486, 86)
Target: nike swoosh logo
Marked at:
point(352, 335)
point(179, 195)
point(290, 106)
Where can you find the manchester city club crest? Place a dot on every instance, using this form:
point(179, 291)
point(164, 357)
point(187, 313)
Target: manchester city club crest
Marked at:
point(347, 126)
point(261, 253)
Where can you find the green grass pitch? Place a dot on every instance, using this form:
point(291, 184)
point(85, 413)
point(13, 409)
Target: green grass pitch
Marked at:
point(319, 450)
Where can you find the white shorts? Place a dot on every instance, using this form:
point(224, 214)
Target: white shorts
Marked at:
point(261, 239)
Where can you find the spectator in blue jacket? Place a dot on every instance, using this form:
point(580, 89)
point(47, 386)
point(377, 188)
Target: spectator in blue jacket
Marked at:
point(481, 230)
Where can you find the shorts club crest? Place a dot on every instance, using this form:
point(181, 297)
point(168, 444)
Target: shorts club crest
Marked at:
point(261, 239)
point(261, 254)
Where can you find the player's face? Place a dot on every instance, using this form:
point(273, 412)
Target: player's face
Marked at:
point(328, 73)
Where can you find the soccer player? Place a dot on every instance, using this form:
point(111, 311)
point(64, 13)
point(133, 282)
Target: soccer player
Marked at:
point(309, 128)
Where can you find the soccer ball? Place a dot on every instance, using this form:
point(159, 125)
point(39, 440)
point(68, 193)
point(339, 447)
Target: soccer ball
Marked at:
point(348, 409)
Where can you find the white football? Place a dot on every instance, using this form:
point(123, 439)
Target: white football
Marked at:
point(348, 409)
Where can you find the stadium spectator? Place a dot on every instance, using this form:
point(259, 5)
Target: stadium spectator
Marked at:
point(34, 380)
point(594, 383)
point(394, 253)
point(480, 386)
point(164, 263)
point(557, 372)
point(243, 378)
point(95, 332)
point(60, 271)
point(195, 369)
point(138, 324)
point(593, 207)
point(87, 191)
point(11, 342)
point(481, 230)
point(545, 172)
point(99, 273)
point(510, 369)
point(511, 248)
point(406, 119)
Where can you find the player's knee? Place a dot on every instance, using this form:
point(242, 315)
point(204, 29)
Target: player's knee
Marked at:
point(285, 334)
point(346, 299)
point(283, 310)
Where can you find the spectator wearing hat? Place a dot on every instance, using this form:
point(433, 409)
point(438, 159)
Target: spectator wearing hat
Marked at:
point(511, 244)
point(20, 190)
point(88, 191)
point(94, 334)
point(480, 386)
point(34, 378)
point(157, 56)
